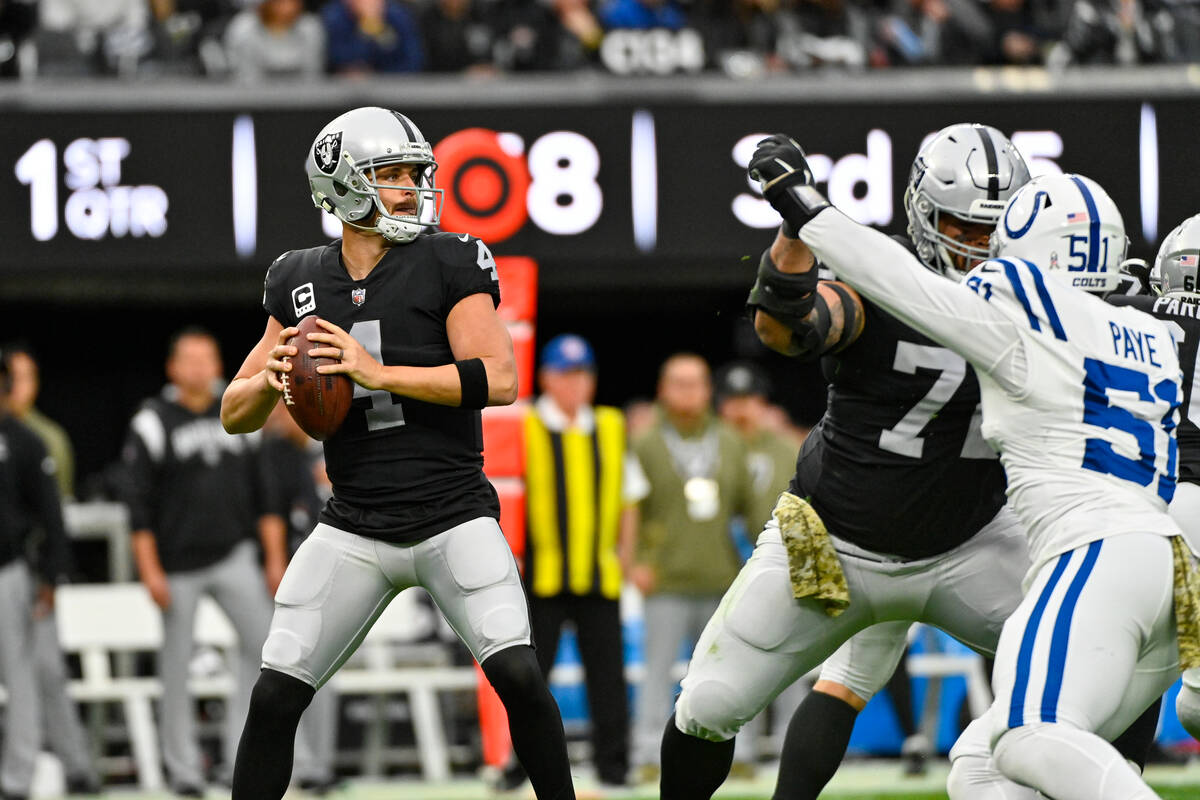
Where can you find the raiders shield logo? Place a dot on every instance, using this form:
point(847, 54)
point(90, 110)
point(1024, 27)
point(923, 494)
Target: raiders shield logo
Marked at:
point(327, 151)
point(358, 296)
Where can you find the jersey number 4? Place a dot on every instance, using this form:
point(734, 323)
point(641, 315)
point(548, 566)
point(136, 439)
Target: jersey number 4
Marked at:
point(904, 438)
point(384, 412)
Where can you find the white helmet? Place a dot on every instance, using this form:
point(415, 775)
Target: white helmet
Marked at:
point(341, 171)
point(1179, 258)
point(1066, 224)
point(968, 171)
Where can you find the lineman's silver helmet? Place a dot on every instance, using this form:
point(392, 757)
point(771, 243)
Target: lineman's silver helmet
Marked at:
point(966, 170)
point(341, 171)
point(1179, 258)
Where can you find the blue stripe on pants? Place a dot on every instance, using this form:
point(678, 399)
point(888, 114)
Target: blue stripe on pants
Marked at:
point(1062, 632)
point(1016, 708)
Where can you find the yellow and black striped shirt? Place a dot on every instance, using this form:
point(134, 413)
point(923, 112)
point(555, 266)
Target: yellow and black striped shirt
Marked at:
point(573, 497)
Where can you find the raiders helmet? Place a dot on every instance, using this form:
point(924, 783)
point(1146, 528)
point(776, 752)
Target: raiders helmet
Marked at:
point(1065, 224)
point(341, 171)
point(1179, 258)
point(968, 171)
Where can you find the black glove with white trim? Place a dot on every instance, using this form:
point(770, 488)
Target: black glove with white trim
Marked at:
point(787, 182)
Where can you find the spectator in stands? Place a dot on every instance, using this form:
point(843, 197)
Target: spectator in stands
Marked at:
point(1177, 27)
point(1020, 36)
point(457, 38)
point(530, 35)
point(685, 557)
point(194, 497)
point(28, 501)
point(1127, 32)
point(275, 40)
point(187, 36)
point(817, 33)
point(642, 14)
point(108, 35)
point(740, 35)
point(60, 719)
point(581, 494)
point(296, 488)
point(921, 32)
point(17, 20)
point(366, 36)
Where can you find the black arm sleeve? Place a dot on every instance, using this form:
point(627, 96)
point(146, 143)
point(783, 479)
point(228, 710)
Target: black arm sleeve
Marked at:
point(811, 335)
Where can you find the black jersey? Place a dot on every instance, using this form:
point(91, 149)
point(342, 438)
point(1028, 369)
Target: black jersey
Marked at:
point(1182, 315)
point(290, 487)
point(897, 464)
point(29, 500)
point(196, 487)
point(402, 469)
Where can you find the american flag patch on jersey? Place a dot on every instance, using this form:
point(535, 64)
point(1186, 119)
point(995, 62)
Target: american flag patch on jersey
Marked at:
point(1077, 216)
point(1188, 260)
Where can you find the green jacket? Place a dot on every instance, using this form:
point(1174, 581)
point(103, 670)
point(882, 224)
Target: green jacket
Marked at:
point(690, 556)
point(58, 445)
point(772, 460)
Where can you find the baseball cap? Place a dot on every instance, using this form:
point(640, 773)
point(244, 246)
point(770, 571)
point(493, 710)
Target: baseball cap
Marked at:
point(741, 378)
point(568, 351)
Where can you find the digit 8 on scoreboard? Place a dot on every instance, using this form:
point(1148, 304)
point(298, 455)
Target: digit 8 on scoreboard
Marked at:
point(485, 185)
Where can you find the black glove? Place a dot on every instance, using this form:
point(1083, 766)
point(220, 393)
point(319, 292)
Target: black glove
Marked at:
point(1135, 279)
point(787, 182)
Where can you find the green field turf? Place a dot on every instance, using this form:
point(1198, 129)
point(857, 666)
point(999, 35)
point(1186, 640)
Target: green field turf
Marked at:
point(880, 780)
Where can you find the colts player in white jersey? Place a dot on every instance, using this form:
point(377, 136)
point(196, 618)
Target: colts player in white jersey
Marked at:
point(1177, 302)
point(1081, 399)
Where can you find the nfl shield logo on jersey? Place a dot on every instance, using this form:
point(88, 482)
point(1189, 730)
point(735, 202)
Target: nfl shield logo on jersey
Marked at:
point(327, 151)
point(359, 296)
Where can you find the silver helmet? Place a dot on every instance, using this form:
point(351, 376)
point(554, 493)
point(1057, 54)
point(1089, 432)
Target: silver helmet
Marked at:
point(341, 171)
point(1179, 258)
point(968, 171)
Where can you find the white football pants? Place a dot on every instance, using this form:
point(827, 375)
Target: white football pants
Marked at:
point(339, 583)
point(1091, 646)
point(761, 639)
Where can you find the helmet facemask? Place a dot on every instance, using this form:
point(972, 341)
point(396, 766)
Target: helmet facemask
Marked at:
point(361, 207)
point(937, 250)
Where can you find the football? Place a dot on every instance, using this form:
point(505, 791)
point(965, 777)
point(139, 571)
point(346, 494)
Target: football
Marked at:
point(317, 402)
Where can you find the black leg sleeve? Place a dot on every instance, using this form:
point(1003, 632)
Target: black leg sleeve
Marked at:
point(598, 623)
point(533, 721)
point(264, 757)
point(692, 768)
point(899, 688)
point(1137, 739)
point(816, 741)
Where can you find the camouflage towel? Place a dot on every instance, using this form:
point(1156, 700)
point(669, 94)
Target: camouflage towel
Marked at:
point(1187, 604)
point(813, 564)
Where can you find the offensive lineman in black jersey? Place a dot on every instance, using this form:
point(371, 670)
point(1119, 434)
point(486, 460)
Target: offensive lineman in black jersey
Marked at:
point(912, 497)
point(907, 496)
point(1177, 266)
point(411, 317)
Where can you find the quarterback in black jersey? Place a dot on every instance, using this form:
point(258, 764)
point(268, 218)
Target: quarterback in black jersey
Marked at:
point(410, 316)
point(1177, 268)
point(912, 497)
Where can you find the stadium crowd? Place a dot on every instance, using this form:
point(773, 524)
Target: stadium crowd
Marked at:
point(251, 40)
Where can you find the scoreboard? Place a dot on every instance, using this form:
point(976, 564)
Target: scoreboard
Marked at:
point(633, 192)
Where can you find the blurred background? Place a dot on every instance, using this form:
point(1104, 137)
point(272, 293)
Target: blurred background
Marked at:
point(151, 168)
